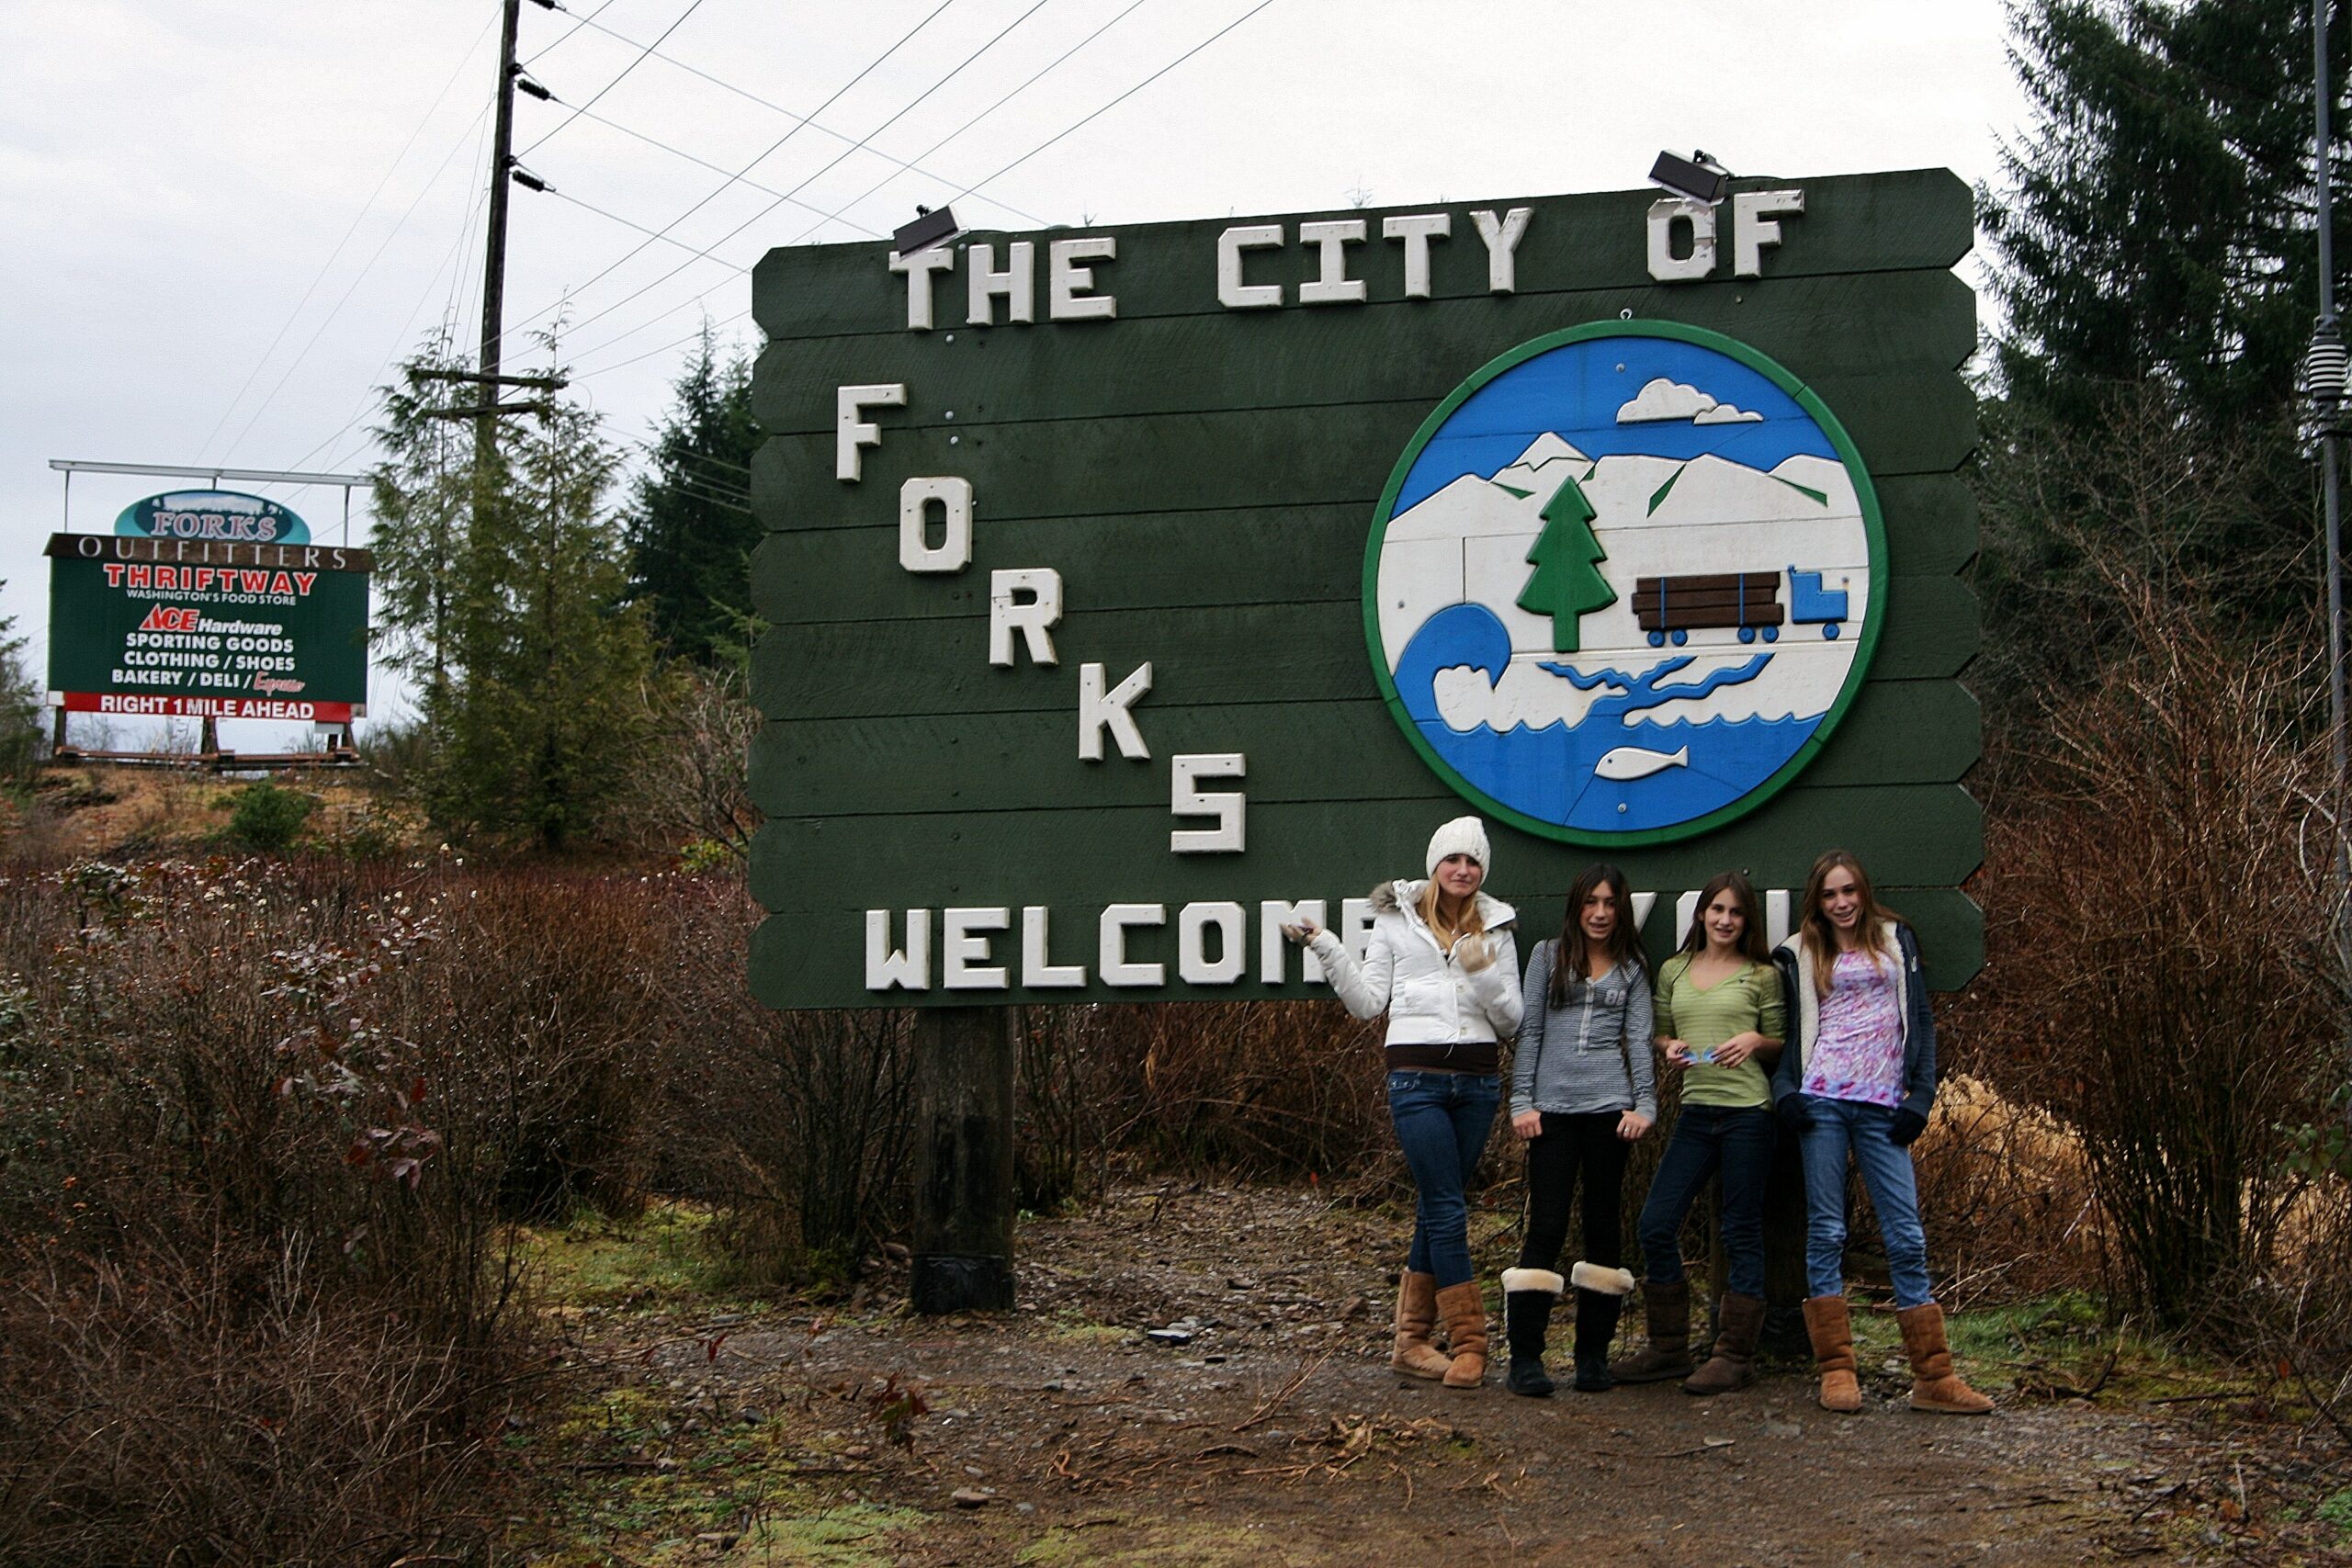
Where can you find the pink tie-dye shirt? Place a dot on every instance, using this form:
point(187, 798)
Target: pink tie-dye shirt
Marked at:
point(1859, 1052)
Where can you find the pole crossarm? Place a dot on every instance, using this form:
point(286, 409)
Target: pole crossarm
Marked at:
point(548, 383)
point(248, 476)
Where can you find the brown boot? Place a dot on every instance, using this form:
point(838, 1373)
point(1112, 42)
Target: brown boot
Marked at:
point(1668, 1354)
point(1416, 1316)
point(1832, 1333)
point(1934, 1386)
point(1733, 1363)
point(1464, 1311)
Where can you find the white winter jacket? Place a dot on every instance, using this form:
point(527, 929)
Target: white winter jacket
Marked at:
point(1429, 997)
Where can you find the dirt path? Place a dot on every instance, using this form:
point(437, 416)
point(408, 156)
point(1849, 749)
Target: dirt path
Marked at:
point(1262, 1425)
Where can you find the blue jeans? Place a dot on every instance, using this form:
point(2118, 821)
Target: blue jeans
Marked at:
point(1708, 1138)
point(1834, 1127)
point(1442, 1120)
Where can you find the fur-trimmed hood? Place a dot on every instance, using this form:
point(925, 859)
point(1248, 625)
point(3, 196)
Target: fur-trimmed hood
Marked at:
point(1403, 897)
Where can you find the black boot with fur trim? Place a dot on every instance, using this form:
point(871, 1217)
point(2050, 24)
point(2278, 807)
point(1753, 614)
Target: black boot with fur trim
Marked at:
point(1528, 1296)
point(1601, 1297)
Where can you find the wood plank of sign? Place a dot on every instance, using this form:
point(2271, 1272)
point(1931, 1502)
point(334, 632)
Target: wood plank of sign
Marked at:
point(210, 552)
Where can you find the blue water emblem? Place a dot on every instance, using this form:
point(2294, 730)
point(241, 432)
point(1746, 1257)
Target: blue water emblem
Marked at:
point(1621, 579)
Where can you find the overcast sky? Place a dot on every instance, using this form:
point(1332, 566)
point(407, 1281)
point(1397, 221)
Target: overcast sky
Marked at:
point(226, 220)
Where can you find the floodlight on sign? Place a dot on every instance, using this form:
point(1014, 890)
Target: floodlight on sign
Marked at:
point(929, 229)
point(1698, 176)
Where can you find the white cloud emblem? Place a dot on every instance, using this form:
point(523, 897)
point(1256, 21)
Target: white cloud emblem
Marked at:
point(1664, 400)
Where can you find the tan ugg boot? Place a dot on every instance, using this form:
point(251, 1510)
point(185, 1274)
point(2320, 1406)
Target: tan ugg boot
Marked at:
point(1828, 1324)
point(1934, 1386)
point(1416, 1316)
point(1668, 1354)
point(1732, 1366)
point(1464, 1311)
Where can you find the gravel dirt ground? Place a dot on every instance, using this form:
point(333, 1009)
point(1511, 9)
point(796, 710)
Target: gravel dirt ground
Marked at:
point(1199, 1375)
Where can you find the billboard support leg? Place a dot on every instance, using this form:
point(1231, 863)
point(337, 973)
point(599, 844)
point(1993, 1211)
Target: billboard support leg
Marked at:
point(962, 1221)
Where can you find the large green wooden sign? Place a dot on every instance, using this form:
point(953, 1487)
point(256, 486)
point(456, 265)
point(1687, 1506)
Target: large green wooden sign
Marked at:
point(1134, 590)
point(208, 627)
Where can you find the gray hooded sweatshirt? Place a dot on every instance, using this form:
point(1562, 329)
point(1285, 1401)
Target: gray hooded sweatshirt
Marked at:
point(1592, 1055)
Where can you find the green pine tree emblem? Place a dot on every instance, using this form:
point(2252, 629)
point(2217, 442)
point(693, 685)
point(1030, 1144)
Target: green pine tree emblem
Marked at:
point(1567, 583)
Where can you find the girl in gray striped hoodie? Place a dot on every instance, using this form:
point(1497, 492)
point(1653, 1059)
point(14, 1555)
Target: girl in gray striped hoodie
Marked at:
point(1582, 1090)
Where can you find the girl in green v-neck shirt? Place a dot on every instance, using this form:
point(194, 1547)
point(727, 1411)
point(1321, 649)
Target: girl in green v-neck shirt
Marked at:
point(1746, 1001)
point(1719, 1018)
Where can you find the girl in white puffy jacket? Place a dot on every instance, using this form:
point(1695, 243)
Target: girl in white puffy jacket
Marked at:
point(1442, 965)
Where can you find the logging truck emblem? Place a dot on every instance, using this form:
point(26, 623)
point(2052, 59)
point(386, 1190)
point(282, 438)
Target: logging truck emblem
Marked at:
point(1623, 582)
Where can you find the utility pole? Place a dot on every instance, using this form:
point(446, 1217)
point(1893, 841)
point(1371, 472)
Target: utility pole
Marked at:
point(493, 272)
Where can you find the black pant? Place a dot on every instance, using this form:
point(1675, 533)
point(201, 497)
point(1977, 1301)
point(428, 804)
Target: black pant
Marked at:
point(1584, 1145)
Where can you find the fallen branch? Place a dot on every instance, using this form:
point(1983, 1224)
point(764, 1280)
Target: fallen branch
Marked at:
point(1266, 1407)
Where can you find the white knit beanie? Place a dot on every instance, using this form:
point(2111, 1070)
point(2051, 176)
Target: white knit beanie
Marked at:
point(1463, 836)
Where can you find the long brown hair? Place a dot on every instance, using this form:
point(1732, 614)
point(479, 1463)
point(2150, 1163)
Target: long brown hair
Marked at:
point(1474, 919)
point(1570, 961)
point(1819, 938)
point(1751, 930)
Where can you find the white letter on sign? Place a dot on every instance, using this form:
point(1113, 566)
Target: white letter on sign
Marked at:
point(954, 551)
point(1031, 616)
point(1416, 229)
point(1097, 712)
point(1502, 236)
point(1231, 292)
point(1111, 957)
point(1067, 283)
point(1038, 972)
point(885, 966)
point(1752, 228)
point(1665, 266)
point(1333, 285)
point(964, 950)
point(850, 433)
point(919, 268)
point(1193, 962)
point(1227, 805)
point(1273, 914)
point(1017, 283)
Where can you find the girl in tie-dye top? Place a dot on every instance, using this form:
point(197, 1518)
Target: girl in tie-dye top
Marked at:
point(1855, 1082)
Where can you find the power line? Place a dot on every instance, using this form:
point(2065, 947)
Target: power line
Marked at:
point(719, 169)
point(749, 97)
point(431, 180)
point(1115, 103)
point(746, 169)
point(968, 189)
point(804, 185)
point(975, 119)
point(357, 217)
point(692, 7)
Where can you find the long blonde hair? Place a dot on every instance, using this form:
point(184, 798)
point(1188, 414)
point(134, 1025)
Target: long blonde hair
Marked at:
point(1819, 938)
point(1474, 919)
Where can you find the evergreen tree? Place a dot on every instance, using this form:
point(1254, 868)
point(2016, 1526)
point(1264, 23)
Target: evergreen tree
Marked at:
point(2157, 223)
point(20, 705)
point(425, 499)
point(1567, 583)
point(690, 531)
point(510, 587)
point(2156, 264)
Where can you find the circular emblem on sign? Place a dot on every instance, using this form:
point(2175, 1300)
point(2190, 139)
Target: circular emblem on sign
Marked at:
point(1623, 582)
point(226, 515)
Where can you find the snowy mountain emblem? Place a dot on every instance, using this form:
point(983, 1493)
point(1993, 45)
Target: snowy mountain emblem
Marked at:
point(1623, 582)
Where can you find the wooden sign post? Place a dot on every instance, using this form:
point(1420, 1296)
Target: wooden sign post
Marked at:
point(1134, 591)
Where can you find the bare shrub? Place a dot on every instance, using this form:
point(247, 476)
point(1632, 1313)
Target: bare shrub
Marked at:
point(796, 1124)
point(2159, 972)
point(263, 1127)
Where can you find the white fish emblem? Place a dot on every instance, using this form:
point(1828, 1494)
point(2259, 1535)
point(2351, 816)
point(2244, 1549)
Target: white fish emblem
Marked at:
point(1635, 763)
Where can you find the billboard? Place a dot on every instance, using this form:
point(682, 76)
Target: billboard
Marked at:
point(1133, 590)
point(200, 628)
